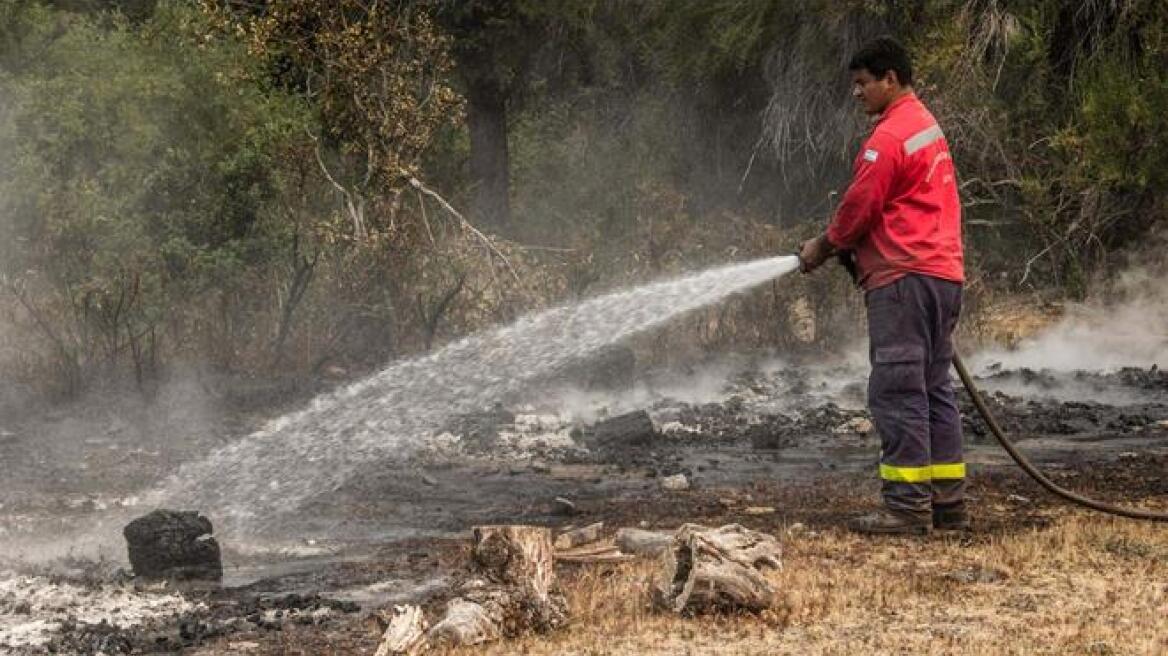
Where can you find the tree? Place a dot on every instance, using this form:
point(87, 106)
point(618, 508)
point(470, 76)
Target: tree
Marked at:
point(493, 45)
point(137, 170)
point(377, 74)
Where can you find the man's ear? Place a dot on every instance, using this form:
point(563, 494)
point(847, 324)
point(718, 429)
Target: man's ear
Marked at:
point(892, 77)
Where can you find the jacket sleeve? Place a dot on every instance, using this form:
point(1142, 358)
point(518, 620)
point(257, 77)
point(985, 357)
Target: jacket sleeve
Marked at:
point(866, 196)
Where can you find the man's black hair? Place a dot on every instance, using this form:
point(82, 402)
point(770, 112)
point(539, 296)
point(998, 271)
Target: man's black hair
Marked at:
point(882, 55)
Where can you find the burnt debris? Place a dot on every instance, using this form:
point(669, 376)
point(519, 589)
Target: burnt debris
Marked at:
point(173, 544)
point(630, 429)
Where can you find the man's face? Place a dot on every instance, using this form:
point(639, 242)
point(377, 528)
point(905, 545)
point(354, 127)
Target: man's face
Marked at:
point(872, 92)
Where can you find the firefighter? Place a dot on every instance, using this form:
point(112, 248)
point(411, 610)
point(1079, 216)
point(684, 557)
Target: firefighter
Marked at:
point(900, 223)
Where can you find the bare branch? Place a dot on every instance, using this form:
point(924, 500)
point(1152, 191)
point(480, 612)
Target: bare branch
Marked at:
point(490, 245)
point(425, 219)
point(356, 208)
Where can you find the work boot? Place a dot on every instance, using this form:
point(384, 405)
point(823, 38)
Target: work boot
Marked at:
point(951, 518)
point(891, 522)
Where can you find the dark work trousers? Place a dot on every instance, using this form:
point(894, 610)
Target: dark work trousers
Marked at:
point(910, 393)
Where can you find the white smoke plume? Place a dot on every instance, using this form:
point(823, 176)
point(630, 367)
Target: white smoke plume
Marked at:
point(1127, 326)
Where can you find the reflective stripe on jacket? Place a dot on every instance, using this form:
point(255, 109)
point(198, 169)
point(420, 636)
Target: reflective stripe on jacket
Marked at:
point(901, 213)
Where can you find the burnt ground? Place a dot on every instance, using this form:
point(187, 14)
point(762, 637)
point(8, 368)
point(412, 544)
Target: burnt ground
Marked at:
point(771, 439)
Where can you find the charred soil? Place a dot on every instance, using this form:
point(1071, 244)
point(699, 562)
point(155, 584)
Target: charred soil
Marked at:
point(752, 456)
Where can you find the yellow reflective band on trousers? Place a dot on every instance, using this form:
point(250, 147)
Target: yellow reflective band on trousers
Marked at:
point(951, 470)
point(924, 474)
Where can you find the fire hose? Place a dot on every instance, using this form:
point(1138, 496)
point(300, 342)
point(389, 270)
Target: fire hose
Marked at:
point(1022, 461)
point(1031, 470)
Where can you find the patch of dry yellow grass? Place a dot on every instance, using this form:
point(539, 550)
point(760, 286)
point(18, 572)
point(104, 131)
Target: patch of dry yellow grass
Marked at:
point(1087, 585)
point(1007, 321)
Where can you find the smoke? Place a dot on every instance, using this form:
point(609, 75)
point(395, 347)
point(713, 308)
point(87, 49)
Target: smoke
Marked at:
point(1126, 325)
point(701, 384)
point(763, 383)
point(72, 473)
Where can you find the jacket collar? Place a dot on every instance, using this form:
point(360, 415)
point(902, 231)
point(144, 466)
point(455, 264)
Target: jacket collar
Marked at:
point(907, 98)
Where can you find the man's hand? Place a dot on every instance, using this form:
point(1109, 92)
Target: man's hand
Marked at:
point(814, 252)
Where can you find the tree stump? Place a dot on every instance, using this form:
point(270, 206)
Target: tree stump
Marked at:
point(718, 569)
point(519, 556)
point(514, 590)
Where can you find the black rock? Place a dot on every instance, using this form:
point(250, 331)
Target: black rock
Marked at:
point(173, 544)
point(630, 429)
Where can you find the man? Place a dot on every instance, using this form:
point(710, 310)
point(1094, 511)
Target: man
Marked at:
point(901, 221)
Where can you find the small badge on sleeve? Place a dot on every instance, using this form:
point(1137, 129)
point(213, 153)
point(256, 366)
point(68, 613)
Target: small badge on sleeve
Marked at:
point(870, 155)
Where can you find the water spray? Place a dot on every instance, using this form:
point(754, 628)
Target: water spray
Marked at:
point(387, 416)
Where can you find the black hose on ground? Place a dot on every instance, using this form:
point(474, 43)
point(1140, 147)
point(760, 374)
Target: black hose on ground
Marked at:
point(1029, 468)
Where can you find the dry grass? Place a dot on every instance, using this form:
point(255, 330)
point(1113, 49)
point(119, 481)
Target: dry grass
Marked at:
point(1086, 585)
point(1007, 321)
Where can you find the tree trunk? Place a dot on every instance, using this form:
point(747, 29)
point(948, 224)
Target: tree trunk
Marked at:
point(486, 116)
point(709, 569)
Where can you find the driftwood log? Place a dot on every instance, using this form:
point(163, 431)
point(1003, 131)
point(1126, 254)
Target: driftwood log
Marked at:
point(512, 589)
point(472, 619)
point(640, 542)
point(717, 569)
point(597, 552)
point(405, 634)
point(579, 536)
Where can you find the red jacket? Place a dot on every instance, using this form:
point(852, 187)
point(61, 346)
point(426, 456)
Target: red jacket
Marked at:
point(901, 214)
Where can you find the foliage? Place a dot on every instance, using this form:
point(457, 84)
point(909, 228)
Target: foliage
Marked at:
point(135, 176)
point(1051, 112)
point(377, 74)
point(227, 182)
